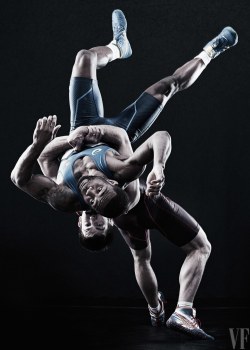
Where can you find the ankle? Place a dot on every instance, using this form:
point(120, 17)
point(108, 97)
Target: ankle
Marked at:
point(185, 304)
point(155, 309)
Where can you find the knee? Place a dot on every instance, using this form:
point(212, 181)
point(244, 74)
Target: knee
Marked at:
point(85, 57)
point(170, 85)
point(142, 257)
point(205, 249)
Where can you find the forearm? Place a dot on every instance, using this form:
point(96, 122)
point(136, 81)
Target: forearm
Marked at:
point(55, 148)
point(161, 147)
point(156, 148)
point(93, 134)
point(23, 169)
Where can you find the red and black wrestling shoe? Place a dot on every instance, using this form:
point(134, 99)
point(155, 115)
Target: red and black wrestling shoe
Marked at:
point(184, 320)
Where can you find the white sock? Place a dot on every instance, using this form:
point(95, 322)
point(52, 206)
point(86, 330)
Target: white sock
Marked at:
point(184, 304)
point(204, 57)
point(115, 49)
point(155, 309)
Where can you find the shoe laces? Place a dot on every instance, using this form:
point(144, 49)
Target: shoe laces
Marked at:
point(119, 28)
point(220, 42)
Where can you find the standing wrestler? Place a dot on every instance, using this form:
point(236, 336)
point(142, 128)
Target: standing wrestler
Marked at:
point(180, 228)
point(87, 109)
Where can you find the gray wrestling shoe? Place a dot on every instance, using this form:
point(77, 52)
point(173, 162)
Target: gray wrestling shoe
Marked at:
point(158, 318)
point(226, 39)
point(184, 320)
point(119, 25)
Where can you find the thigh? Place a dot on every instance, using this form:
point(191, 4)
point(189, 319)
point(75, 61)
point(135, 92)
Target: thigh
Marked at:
point(138, 117)
point(175, 223)
point(85, 100)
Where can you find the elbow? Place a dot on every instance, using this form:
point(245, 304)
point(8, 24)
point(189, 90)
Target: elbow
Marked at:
point(122, 133)
point(13, 177)
point(17, 180)
point(123, 136)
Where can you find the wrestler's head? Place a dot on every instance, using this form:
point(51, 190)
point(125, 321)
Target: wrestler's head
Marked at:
point(103, 195)
point(95, 231)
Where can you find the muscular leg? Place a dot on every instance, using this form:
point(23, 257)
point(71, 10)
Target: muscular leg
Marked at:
point(88, 61)
point(184, 317)
point(85, 99)
point(138, 117)
point(198, 251)
point(145, 275)
point(181, 79)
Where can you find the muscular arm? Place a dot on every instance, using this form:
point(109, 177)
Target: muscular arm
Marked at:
point(49, 158)
point(38, 186)
point(22, 175)
point(157, 149)
point(112, 135)
point(84, 135)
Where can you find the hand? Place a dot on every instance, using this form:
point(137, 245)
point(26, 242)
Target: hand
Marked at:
point(85, 135)
point(46, 130)
point(155, 181)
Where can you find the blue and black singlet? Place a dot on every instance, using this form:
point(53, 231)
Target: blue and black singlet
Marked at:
point(98, 156)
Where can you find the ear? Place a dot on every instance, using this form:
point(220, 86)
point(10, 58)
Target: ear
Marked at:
point(112, 182)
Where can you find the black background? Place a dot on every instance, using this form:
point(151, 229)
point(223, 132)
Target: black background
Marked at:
point(208, 172)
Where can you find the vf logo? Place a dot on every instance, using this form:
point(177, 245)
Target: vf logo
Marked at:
point(97, 150)
point(239, 337)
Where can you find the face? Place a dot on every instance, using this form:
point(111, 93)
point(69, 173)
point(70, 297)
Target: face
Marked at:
point(93, 224)
point(96, 191)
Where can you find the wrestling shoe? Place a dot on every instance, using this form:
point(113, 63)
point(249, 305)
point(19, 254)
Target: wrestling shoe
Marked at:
point(226, 39)
point(184, 320)
point(119, 25)
point(158, 318)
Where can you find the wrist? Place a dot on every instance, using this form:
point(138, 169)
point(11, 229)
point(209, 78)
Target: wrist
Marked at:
point(37, 147)
point(159, 165)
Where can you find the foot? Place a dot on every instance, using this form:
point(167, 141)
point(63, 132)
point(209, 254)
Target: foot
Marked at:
point(119, 25)
point(226, 39)
point(158, 318)
point(184, 321)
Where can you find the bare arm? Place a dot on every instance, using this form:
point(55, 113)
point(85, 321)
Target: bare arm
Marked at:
point(157, 149)
point(37, 186)
point(49, 158)
point(112, 135)
point(84, 135)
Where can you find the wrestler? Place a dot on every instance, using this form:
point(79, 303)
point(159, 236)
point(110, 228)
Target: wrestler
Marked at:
point(180, 228)
point(87, 109)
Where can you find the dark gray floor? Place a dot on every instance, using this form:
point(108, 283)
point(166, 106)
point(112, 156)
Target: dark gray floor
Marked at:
point(116, 328)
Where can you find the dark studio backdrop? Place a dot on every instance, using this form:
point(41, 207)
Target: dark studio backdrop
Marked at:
point(208, 172)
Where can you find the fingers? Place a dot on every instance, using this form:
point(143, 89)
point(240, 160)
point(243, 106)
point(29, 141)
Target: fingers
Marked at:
point(94, 134)
point(151, 192)
point(154, 186)
point(56, 130)
point(154, 189)
point(51, 122)
point(39, 124)
point(47, 123)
